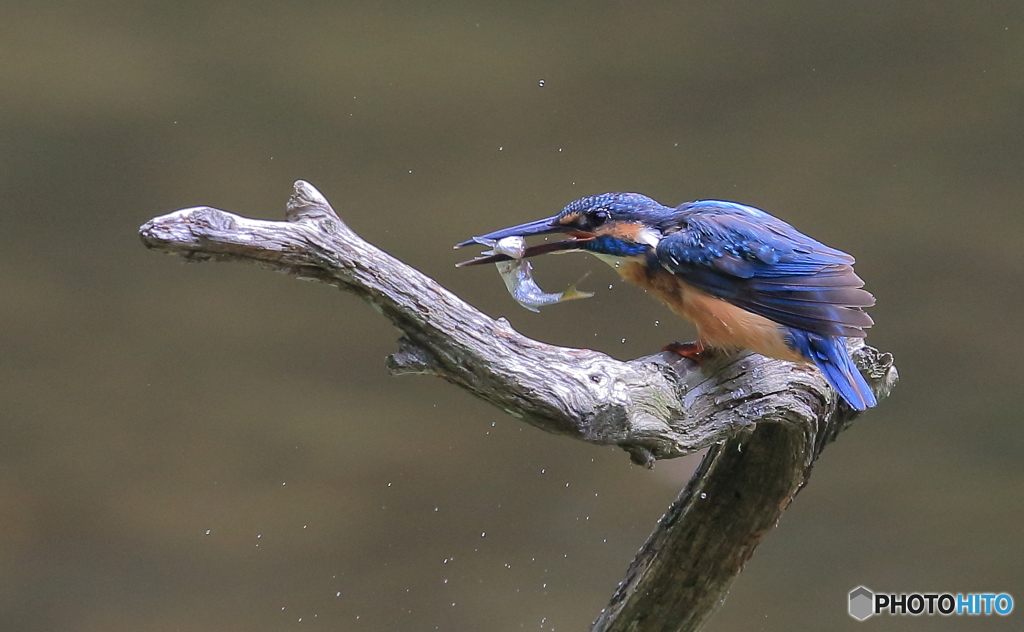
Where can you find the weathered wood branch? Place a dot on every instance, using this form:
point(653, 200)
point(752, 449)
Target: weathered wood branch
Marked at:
point(765, 420)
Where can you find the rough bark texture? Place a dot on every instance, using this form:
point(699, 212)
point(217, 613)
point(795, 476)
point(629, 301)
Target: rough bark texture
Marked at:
point(765, 420)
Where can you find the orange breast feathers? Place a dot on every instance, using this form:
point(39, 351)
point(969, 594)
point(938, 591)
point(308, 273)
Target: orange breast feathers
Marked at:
point(719, 323)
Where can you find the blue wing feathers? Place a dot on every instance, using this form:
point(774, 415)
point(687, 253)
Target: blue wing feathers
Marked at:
point(764, 265)
point(815, 324)
point(828, 277)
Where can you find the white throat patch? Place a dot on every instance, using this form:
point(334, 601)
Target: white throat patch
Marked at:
point(649, 236)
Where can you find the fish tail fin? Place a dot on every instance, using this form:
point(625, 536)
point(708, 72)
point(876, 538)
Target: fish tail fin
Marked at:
point(571, 293)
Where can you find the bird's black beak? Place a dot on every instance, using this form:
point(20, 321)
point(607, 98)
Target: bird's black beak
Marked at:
point(540, 227)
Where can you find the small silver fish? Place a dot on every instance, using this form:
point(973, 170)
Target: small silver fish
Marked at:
point(518, 275)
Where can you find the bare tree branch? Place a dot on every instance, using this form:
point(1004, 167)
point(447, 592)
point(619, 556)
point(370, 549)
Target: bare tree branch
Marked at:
point(766, 420)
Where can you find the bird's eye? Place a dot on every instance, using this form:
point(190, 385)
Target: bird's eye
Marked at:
point(599, 217)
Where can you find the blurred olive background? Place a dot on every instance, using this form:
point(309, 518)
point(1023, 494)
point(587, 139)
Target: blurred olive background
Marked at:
point(212, 447)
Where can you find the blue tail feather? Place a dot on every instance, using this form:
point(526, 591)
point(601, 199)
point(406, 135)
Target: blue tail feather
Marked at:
point(830, 355)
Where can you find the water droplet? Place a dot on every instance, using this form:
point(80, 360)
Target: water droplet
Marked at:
point(540, 83)
point(703, 495)
point(542, 471)
point(567, 484)
point(483, 534)
point(656, 323)
point(623, 341)
point(259, 535)
point(389, 484)
point(337, 594)
point(207, 532)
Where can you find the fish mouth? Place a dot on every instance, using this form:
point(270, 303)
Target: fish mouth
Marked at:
point(575, 242)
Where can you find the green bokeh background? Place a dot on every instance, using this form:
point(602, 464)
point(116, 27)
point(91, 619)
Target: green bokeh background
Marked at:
point(146, 401)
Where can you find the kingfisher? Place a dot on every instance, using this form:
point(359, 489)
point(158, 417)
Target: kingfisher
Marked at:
point(745, 278)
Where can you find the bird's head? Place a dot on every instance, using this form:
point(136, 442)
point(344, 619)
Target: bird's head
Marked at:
point(612, 224)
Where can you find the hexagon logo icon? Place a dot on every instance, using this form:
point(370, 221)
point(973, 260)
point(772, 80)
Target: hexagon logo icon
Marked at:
point(861, 601)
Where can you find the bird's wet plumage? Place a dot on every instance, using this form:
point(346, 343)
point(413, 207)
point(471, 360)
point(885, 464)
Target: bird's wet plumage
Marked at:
point(745, 278)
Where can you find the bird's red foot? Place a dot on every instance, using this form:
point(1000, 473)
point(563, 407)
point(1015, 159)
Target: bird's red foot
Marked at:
point(690, 350)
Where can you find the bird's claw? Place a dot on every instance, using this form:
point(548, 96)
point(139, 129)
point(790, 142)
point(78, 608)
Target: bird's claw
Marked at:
point(695, 350)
